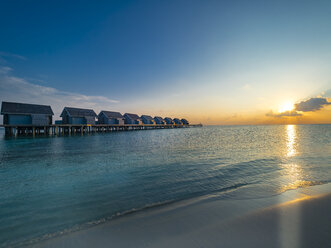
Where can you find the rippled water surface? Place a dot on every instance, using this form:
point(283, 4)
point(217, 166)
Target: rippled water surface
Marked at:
point(52, 184)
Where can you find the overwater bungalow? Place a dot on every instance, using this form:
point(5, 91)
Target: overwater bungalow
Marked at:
point(146, 119)
point(132, 119)
point(26, 114)
point(177, 121)
point(159, 120)
point(110, 117)
point(169, 121)
point(78, 116)
point(184, 121)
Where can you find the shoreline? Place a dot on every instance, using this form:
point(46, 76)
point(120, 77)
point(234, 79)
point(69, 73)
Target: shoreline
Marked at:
point(210, 222)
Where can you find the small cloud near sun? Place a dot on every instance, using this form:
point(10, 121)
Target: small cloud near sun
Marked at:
point(288, 109)
point(283, 114)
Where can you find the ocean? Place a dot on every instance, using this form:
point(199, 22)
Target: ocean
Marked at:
point(50, 186)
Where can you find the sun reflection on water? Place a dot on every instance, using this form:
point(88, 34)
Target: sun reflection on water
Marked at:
point(291, 140)
point(292, 172)
point(293, 176)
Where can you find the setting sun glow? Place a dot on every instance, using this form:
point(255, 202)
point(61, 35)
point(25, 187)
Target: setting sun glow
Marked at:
point(288, 106)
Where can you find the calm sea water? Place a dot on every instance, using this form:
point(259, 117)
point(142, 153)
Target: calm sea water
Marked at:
point(50, 185)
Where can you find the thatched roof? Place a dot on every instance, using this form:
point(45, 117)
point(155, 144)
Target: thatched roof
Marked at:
point(111, 114)
point(78, 112)
point(132, 116)
point(184, 121)
point(25, 108)
point(158, 118)
point(147, 117)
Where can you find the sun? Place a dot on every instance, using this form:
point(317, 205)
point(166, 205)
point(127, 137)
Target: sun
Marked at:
point(287, 106)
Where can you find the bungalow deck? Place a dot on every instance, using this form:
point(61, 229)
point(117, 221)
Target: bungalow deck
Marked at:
point(62, 129)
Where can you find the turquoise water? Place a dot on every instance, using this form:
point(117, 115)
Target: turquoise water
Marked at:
point(51, 185)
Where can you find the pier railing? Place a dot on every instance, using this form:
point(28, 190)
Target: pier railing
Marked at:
point(61, 129)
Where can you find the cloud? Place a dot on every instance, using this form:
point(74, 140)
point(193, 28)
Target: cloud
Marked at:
point(312, 104)
point(12, 55)
point(5, 70)
point(21, 90)
point(246, 87)
point(283, 114)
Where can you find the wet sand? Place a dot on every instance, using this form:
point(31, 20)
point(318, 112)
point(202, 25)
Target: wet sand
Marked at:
point(298, 218)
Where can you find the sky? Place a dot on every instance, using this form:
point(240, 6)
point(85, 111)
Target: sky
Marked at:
point(212, 62)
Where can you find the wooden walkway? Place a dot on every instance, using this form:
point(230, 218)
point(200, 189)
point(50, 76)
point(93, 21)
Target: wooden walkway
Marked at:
point(62, 129)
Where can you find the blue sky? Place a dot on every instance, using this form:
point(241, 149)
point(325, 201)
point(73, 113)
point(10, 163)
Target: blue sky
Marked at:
point(188, 58)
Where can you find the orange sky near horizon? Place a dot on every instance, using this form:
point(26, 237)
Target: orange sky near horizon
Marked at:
point(214, 116)
point(318, 117)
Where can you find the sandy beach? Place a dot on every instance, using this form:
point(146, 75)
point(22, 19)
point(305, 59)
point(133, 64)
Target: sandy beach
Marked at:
point(297, 218)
